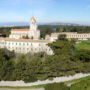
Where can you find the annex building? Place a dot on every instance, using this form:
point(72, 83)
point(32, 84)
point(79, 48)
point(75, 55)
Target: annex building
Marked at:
point(69, 35)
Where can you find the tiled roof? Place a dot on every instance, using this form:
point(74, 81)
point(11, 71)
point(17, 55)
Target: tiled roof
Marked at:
point(20, 30)
point(32, 18)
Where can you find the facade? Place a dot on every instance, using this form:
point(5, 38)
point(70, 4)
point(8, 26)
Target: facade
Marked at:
point(32, 32)
point(71, 35)
point(25, 45)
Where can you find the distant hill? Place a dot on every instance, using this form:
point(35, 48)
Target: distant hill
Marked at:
point(60, 23)
point(39, 23)
point(14, 24)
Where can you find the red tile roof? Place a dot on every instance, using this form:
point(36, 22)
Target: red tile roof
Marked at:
point(20, 30)
point(32, 18)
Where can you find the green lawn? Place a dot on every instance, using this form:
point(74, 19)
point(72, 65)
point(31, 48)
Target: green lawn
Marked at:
point(25, 87)
point(78, 84)
point(82, 45)
point(82, 85)
point(77, 80)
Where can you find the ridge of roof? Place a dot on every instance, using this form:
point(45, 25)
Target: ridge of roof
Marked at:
point(19, 29)
point(32, 18)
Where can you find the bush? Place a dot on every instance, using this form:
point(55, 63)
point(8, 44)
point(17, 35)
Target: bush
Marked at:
point(30, 79)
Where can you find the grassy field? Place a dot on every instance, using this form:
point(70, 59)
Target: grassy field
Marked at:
point(82, 85)
point(27, 87)
point(82, 45)
point(78, 84)
point(77, 80)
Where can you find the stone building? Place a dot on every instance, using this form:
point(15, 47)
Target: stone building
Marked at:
point(26, 45)
point(70, 35)
point(16, 42)
point(32, 32)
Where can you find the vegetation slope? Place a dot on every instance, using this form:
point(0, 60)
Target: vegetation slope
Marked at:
point(33, 67)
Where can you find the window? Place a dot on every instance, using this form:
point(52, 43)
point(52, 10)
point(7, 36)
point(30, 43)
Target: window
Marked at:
point(35, 49)
point(31, 49)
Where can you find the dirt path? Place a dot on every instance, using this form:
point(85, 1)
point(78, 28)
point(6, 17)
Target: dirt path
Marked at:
point(57, 79)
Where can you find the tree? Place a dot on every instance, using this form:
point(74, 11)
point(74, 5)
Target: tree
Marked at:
point(62, 46)
point(25, 37)
point(6, 64)
point(62, 37)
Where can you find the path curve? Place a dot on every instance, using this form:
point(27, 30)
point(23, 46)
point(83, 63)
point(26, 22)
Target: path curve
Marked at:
point(57, 79)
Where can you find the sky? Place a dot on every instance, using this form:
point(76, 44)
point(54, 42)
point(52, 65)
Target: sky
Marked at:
point(69, 11)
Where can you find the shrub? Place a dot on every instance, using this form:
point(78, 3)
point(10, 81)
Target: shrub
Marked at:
point(30, 79)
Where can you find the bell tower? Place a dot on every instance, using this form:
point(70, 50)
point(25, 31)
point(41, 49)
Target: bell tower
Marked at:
point(33, 25)
point(34, 32)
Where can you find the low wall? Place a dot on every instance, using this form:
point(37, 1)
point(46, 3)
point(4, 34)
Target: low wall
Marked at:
point(57, 79)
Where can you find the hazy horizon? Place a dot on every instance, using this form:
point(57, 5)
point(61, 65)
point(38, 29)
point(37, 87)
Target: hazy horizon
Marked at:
point(67, 11)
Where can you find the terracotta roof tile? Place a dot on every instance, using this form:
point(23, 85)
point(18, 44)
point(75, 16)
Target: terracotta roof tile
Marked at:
point(32, 18)
point(20, 30)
